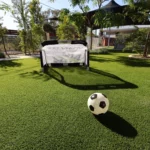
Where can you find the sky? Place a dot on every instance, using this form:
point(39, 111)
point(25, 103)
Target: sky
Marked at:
point(8, 20)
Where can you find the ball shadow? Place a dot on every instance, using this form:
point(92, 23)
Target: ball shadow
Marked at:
point(117, 124)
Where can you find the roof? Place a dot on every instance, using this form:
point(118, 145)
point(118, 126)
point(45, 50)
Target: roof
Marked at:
point(115, 8)
point(111, 4)
point(124, 29)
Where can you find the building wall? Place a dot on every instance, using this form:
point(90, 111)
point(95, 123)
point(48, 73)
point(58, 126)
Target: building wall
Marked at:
point(95, 41)
point(107, 41)
point(12, 32)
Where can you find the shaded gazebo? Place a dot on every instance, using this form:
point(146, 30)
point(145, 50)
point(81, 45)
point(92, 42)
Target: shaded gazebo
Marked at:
point(113, 7)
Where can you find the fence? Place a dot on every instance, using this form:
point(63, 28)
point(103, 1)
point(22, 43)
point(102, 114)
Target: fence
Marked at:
point(10, 43)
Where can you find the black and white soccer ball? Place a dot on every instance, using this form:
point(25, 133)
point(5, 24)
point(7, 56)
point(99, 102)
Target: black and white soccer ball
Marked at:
point(98, 103)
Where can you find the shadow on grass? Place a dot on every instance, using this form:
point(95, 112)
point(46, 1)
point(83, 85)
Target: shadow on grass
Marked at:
point(117, 124)
point(125, 60)
point(100, 59)
point(9, 63)
point(36, 75)
point(79, 78)
point(133, 62)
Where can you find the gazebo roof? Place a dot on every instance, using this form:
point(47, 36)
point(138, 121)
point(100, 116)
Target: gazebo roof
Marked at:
point(111, 4)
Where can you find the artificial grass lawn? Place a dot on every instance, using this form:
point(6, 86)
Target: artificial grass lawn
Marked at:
point(49, 111)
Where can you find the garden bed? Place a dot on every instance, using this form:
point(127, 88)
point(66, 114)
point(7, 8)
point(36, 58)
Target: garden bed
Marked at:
point(138, 56)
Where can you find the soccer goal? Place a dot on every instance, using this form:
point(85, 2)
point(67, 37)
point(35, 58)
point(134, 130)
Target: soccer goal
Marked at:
point(69, 54)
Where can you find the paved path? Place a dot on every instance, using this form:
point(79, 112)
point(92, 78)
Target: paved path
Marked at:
point(12, 57)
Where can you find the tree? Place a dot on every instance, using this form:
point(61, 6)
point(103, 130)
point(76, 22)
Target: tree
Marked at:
point(67, 30)
point(36, 21)
point(3, 30)
point(136, 40)
point(20, 13)
point(30, 19)
point(143, 2)
point(5, 7)
point(83, 5)
point(72, 24)
point(64, 12)
point(79, 20)
point(139, 10)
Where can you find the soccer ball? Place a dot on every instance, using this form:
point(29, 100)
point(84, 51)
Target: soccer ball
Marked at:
point(98, 103)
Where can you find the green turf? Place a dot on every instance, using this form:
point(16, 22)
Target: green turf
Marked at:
point(49, 111)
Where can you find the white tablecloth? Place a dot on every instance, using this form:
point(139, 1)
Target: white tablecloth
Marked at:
point(65, 53)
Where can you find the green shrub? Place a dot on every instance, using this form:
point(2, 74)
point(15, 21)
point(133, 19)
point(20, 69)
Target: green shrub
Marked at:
point(2, 55)
point(99, 51)
point(136, 41)
point(133, 47)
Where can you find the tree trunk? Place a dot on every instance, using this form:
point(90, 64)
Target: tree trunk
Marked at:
point(5, 47)
point(145, 53)
point(91, 37)
point(25, 42)
point(25, 46)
